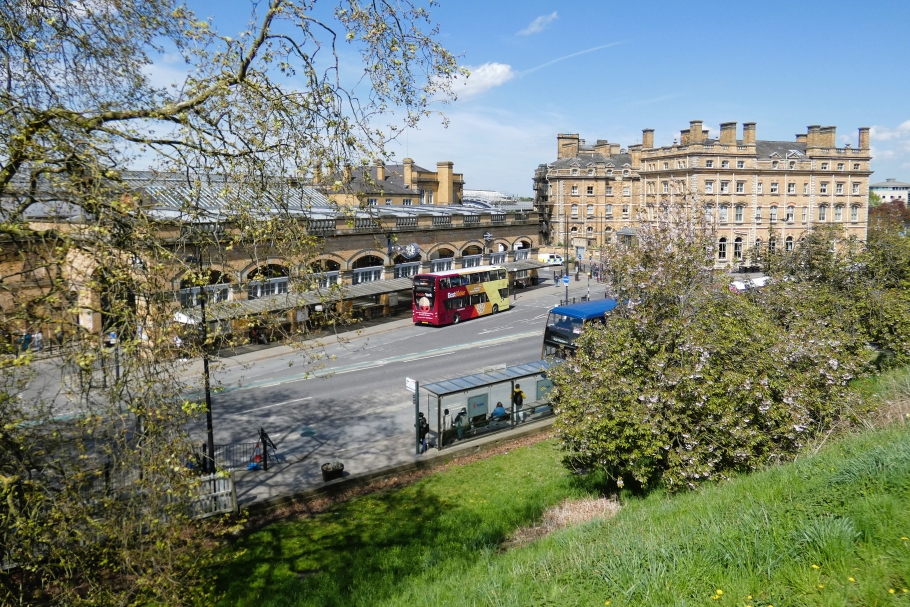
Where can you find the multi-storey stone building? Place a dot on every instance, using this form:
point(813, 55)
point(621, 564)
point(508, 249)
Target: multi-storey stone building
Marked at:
point(758, 193)
point(405, 184)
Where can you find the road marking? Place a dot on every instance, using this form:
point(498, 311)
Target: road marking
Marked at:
point(287, 402)
point(495, 341)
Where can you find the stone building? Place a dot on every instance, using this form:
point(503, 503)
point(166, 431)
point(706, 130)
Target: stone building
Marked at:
point(371, 252)
point(405, 184)
point(758, 193)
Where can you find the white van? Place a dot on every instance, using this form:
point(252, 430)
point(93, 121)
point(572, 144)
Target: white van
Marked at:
point(551, 258)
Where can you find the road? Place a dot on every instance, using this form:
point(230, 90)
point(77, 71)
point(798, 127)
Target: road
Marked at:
point(356, 408)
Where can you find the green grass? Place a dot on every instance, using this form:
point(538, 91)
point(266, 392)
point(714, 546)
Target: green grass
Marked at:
point(374, 548)
point(845, 511)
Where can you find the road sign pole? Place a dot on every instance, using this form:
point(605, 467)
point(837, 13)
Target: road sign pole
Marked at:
point(417, 413)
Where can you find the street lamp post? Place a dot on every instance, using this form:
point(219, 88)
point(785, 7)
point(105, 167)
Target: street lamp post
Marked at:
point(209, 462)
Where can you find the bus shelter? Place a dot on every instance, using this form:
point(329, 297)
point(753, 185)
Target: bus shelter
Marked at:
point(465, 406)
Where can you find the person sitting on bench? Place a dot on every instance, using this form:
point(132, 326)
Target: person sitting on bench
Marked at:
point(499, 413)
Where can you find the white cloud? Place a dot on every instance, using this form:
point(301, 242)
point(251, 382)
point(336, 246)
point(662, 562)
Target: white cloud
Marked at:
point(538, 25)
point(881, 133)
point(484, 78)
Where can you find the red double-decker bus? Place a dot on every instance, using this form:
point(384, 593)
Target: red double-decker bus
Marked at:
point(443, 298)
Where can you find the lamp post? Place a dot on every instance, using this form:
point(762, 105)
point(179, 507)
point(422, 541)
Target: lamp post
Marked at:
point(197, 230)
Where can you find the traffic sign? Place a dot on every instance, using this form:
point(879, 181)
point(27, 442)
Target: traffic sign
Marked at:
point(410, 384)
point(565, 280)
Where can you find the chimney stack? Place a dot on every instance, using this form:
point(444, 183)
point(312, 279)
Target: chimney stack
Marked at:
point(684, 137)
point(728, 133)
point(614, 149)
point(828, 136)
point(647, 139)
point(696, 133)
point(748, 133)
point(635, 152)
point(348, 174)
point(812, 138)
point(864, 137)
point(567, 145)
point(380, 170)
point(602, 147)
point(800, 138)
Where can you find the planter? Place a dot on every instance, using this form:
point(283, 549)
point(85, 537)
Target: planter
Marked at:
point(331, 471)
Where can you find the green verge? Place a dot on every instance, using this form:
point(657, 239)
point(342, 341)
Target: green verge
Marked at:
point(790, 535)
point(375, 548)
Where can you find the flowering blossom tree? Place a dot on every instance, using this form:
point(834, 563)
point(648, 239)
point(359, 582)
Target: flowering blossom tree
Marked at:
point(689, 382)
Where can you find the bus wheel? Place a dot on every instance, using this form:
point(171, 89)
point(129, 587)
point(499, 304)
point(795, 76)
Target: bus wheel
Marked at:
point(455, 319)
point(495, 309)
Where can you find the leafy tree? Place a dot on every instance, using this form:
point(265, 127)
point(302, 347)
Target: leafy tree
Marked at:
point(97, 497)
point(689, 382)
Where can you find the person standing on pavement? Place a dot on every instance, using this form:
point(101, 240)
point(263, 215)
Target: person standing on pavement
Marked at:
point(424, 428)
point(518, 397)
point(38, 338)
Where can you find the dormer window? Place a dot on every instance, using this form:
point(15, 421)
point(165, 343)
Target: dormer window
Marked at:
point(774, 164)
point(792, 164)
point(575, 171)
point(590, 171)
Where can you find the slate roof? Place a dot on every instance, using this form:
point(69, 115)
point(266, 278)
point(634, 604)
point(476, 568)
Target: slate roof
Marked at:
point(765, 149)
point(583, 160)
point(889, 184)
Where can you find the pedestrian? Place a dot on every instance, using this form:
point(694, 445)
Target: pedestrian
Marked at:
point(58, 337)
point(518, 397)
point(178, 344)
point(446, 426)
point(38, 338)
point(462, 422)
point(26, 341)
point(423, 428)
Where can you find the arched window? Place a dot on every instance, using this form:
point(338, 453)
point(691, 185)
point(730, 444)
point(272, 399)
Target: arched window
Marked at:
point(788, 243)
point(574, 230)
point(772, 214)
point(590, 231)
point(267, 280)
point(772, 244)
point(738, 248)
point(590, 210)
point(574, 210)
point(758, 244)
point(575, 171)
point(608, 209)
point(722, 248)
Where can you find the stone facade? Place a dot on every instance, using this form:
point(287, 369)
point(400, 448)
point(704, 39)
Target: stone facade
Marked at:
point(757, 193)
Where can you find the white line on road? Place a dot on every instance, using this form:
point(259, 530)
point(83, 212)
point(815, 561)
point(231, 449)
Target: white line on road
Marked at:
point(287, 402)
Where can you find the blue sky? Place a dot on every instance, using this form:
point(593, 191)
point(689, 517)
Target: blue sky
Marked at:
point(784, 65)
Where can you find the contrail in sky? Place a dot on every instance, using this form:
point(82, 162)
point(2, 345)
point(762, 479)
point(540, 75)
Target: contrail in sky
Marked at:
point(590, 50)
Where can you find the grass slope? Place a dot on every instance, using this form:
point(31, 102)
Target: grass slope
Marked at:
point(791, 535)
point(375, 548)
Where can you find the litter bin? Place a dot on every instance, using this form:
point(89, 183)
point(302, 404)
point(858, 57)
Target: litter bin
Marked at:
point(332, 470)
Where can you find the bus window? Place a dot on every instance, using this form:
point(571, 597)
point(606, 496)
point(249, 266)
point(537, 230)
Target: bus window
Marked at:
point(484, 277)
point(504, 293)
point(445, 283)
point(475, 278)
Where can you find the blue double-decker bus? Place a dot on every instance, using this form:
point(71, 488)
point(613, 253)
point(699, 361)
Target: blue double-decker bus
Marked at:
point(565, 324)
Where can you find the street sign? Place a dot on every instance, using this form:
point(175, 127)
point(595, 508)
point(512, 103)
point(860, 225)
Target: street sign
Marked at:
point(565, 280)
point(410, 384)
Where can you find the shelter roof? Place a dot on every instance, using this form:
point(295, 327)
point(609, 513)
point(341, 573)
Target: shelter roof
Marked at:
point(479, 380)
